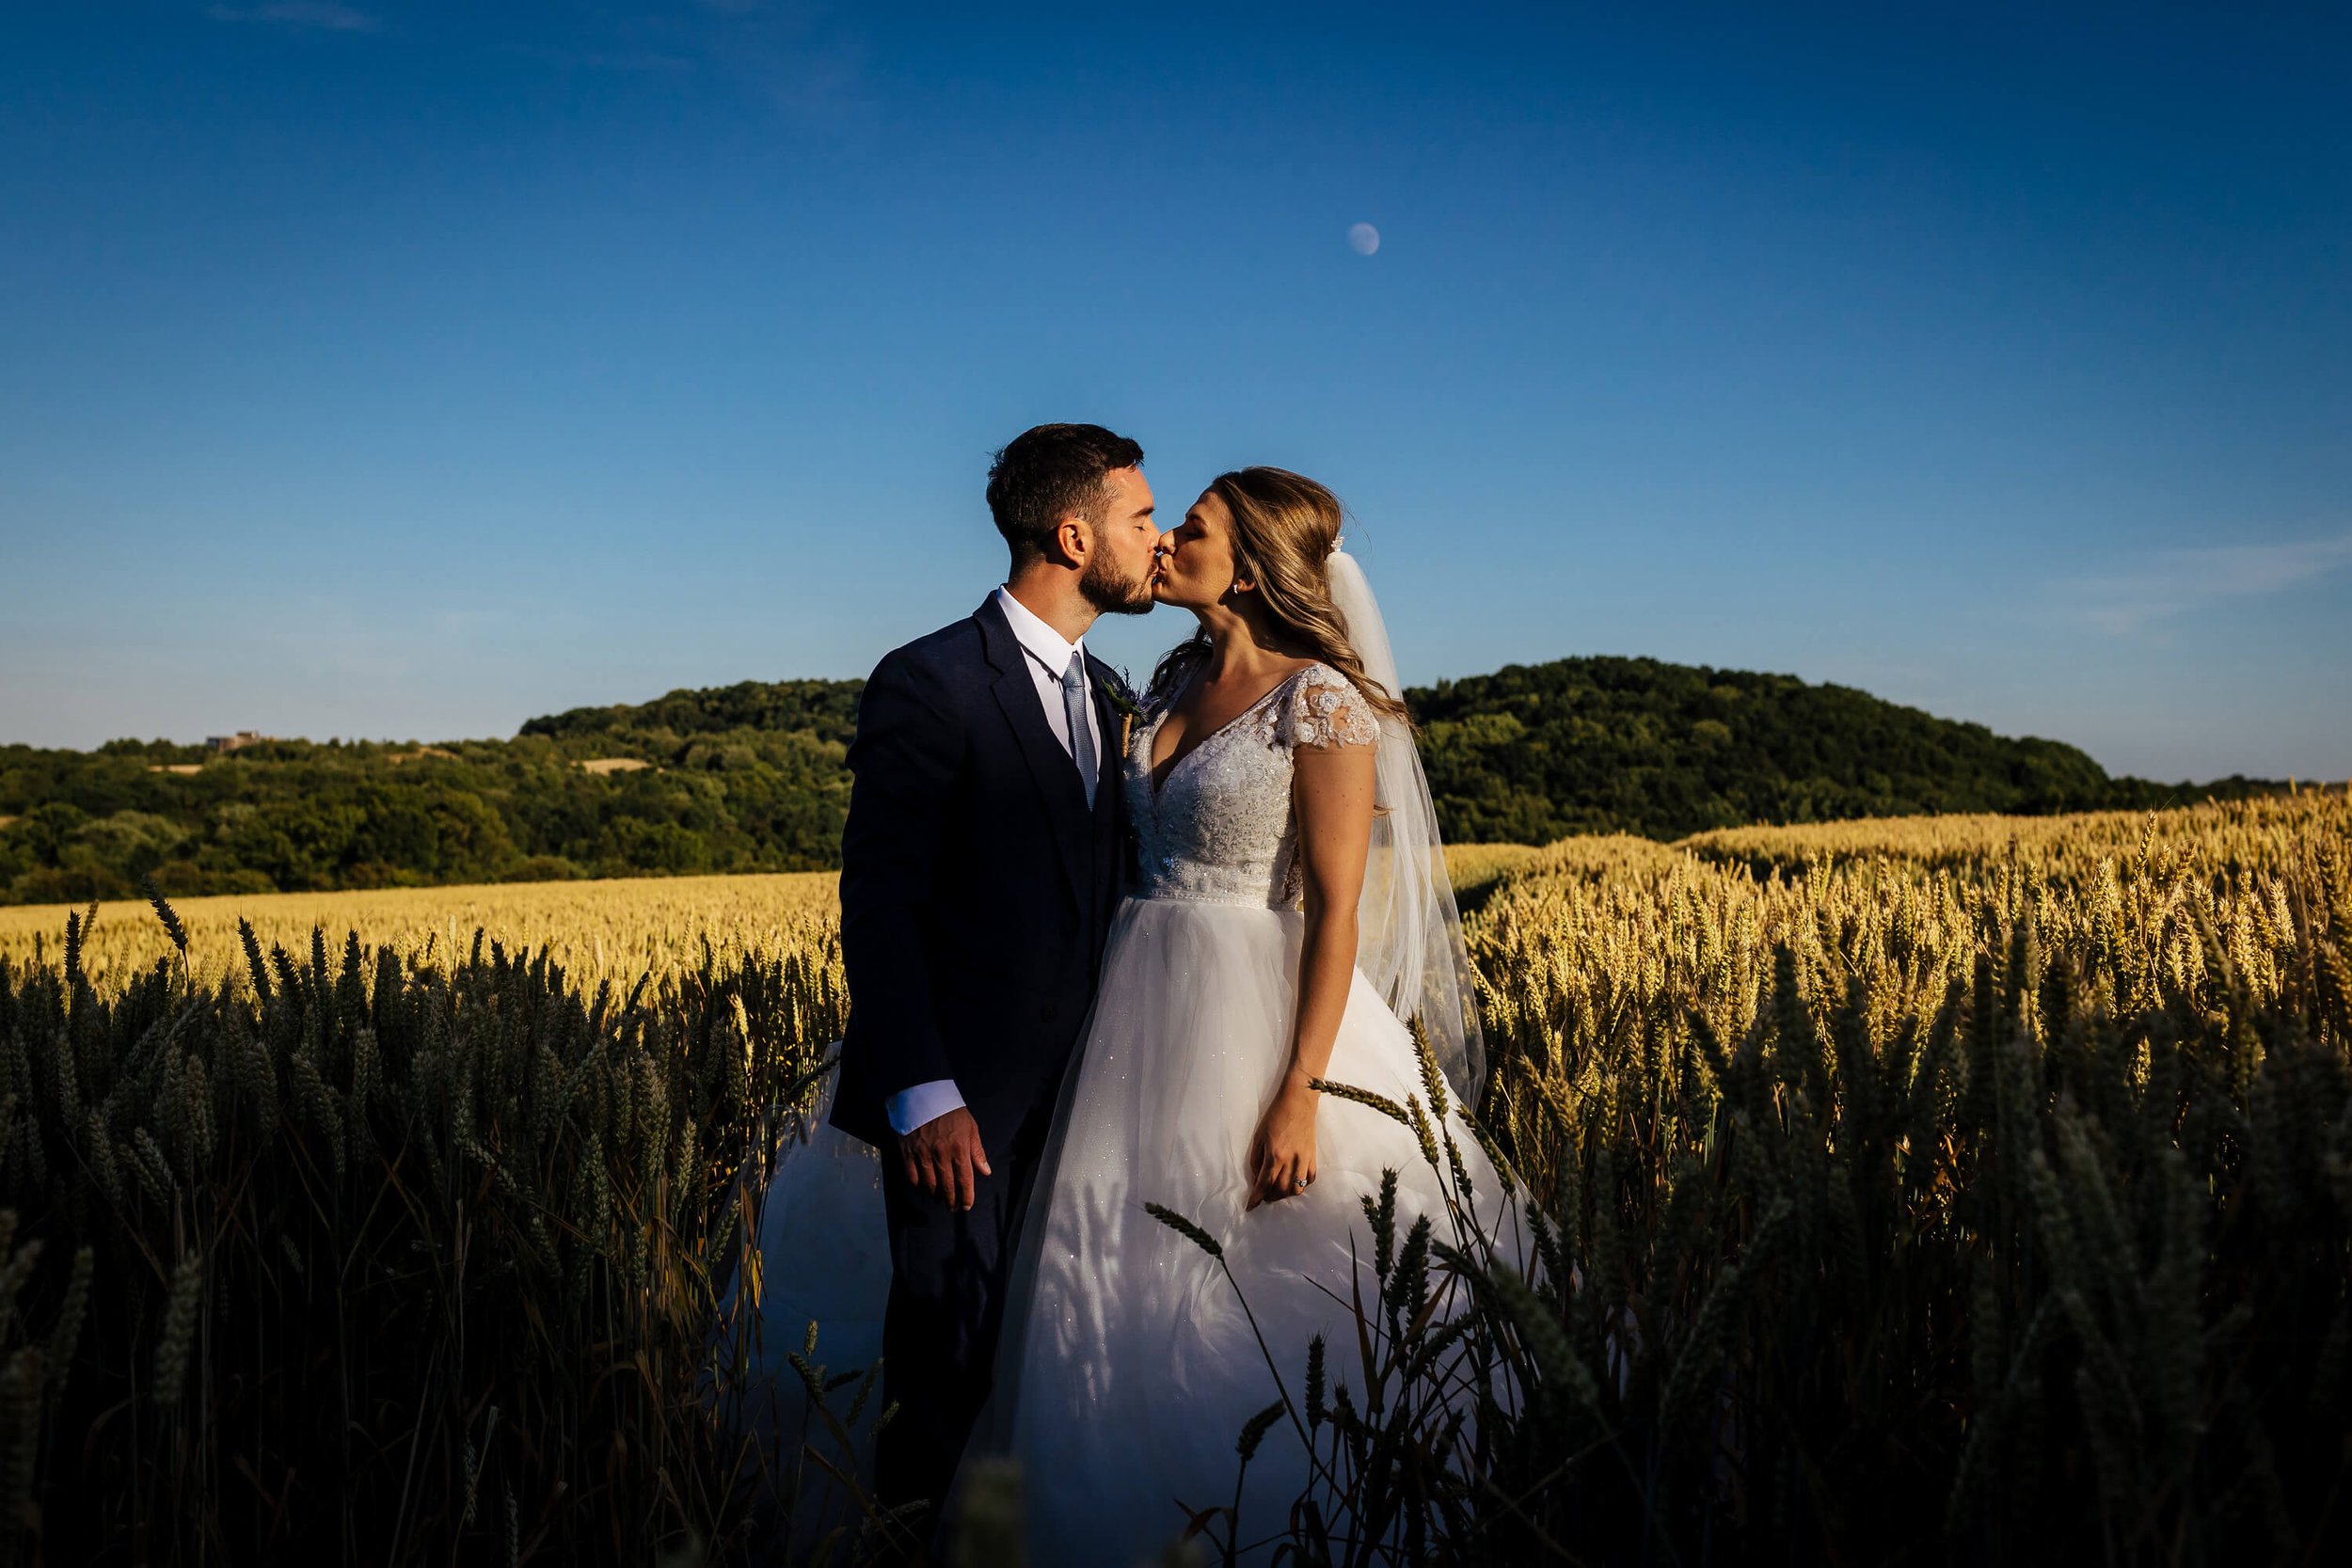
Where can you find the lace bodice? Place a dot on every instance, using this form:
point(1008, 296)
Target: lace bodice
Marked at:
point(1220, 829)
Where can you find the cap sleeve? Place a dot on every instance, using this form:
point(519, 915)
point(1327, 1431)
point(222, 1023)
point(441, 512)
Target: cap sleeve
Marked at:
point(1324, 710)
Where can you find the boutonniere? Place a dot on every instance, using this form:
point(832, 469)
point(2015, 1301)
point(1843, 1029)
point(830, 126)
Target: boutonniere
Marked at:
point(1116, 692)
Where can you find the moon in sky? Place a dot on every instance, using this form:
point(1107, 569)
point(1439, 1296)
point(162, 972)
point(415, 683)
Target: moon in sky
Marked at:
point(1364, 238)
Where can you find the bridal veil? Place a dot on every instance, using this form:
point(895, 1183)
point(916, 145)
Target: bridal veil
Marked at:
point(1409, 941)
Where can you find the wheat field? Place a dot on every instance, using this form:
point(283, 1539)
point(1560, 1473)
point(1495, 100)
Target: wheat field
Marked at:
point(610, 929)
point(613, 929)
point(1906, 1191)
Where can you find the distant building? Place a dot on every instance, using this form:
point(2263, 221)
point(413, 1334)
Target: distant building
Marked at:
point(230, 742)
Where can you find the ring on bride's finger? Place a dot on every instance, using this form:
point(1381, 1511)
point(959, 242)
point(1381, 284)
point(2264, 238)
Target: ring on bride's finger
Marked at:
point(1298, 1183)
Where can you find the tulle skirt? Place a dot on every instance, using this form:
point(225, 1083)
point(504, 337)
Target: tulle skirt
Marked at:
point(823, 1270)
point(1130, 1361)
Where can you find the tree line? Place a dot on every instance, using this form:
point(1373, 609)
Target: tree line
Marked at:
point(752, 777)
point(1536, 753)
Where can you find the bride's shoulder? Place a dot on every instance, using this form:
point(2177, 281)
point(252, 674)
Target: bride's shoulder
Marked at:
point(1325, 709)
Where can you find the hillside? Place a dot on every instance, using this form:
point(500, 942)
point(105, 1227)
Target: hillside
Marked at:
point(606, 792)
point(825, 711)
point(750, 777)
point(1535, 753)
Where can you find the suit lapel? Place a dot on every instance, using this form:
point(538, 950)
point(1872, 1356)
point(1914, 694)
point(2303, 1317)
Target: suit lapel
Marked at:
point(1109, 794)
point(1108, 723)
point(1050, 767)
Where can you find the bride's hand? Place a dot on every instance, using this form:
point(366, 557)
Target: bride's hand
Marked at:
point(1283, 1152)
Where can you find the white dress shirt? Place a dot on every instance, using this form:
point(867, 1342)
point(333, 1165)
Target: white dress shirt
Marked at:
point(1049, 655)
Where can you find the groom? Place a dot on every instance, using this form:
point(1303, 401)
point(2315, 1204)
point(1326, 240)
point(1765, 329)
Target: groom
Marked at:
point(978, 875)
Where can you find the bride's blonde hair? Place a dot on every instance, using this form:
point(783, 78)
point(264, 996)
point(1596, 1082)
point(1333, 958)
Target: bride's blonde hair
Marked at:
point(1285, 527)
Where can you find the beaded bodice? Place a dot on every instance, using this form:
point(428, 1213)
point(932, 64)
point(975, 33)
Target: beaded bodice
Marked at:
point(1220, 830)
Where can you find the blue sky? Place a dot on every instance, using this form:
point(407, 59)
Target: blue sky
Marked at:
point(404, 370)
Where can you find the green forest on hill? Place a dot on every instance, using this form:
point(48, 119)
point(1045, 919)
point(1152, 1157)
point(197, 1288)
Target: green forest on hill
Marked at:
point(1535, 753)
point(750, 777)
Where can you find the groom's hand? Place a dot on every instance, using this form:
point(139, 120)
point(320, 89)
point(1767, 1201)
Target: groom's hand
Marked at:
point(941, 1156)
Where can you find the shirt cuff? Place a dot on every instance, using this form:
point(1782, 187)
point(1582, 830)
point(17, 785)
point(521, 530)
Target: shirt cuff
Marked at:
point(911, 1108)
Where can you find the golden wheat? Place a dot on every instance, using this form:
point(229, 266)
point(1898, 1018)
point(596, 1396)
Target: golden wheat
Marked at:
point(2262, 833)
point(615, 929)
point(612, 929)
point(1592, 931)
point(1965, 1148)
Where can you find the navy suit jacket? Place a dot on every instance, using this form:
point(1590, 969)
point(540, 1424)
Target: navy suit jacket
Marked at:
point(976, 886)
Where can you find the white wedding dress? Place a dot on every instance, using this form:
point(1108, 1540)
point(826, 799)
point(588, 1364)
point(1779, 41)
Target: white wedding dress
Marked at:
point(1128, 1365)
point(1132, 1365)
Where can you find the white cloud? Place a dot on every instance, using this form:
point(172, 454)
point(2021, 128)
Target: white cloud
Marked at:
point(324, 16)
point(2178, 583)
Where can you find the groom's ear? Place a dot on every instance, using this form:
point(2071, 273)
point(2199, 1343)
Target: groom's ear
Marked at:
point(1074, 541)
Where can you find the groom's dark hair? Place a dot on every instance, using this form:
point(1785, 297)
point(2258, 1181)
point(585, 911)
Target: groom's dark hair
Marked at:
point(1046, 474)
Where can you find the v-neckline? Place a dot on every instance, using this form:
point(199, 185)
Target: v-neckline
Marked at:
point(1156, 779)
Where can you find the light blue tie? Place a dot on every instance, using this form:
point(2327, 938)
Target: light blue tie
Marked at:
point(1073, 707)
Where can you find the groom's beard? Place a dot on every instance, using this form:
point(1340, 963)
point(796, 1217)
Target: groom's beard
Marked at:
point(1112, 592)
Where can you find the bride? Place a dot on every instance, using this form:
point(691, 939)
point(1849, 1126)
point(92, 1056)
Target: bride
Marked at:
point(1289, 912)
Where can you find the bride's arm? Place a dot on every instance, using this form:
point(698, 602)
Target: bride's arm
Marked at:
point(1332, 790)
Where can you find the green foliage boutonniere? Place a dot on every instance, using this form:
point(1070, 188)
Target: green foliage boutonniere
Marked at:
point(1117, 692)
